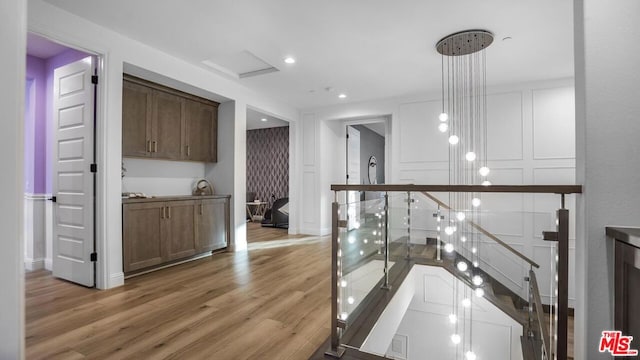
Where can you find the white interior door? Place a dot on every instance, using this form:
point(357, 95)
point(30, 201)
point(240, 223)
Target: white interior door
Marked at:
point(353, 175)
point(73, 180)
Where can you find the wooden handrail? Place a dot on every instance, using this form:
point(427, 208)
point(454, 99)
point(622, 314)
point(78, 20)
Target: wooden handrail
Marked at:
point(537, 189)
point(485, 232)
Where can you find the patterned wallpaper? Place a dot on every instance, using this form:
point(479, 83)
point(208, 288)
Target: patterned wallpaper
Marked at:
point(268, 163)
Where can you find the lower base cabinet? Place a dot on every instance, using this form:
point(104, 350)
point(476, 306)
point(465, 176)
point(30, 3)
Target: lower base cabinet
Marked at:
point(212, 224)
point(143, 231)
point(157, 232)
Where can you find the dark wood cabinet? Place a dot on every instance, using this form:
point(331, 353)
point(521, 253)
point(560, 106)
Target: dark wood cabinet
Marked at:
point(136, 120)
point(145, 229)
point(201, 131)
point(167, 126)
point(181, 229)
point(213, 217)
point(158, 231)
point(626, 248)
point(163, 123)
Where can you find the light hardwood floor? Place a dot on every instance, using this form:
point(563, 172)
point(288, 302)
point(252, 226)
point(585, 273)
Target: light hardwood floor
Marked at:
point(267, 303)
point(256, 233)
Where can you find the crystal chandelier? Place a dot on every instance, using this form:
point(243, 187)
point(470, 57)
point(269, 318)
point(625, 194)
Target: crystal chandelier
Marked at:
point(464, 121)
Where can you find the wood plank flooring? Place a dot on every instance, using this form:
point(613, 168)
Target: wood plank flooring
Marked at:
point(267, 303)
point(256, 232)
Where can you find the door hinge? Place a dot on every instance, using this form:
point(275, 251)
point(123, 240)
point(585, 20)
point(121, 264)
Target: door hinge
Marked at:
point(53, 199)
point(94, 256)
point(347, 176)
point(94, 79)
point(94, 168)
point(347, 136)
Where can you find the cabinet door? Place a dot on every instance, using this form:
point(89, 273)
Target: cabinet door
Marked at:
point(167, 125)
point(181, 237)
point(143, 228)
point(136, 120)
point(201, 129)
point(213, 220)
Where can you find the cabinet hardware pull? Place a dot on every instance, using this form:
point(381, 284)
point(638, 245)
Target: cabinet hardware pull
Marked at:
point(188, 150)
point(155, 146)
point(162, 213)
point(148, 145)
point(168, 212)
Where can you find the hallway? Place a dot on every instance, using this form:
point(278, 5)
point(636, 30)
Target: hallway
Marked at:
point(271, 303)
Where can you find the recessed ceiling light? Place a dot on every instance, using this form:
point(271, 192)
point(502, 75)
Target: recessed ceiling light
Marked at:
point(289, 60)
point(263, 119)
point(342, 96)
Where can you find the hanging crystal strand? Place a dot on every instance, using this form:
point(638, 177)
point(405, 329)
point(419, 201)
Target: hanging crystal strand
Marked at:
point(468, 164)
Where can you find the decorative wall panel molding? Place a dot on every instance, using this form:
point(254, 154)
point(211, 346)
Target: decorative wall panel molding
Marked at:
point(553, 123)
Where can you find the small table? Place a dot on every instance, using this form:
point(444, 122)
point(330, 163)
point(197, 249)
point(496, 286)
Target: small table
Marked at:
point(256, 210)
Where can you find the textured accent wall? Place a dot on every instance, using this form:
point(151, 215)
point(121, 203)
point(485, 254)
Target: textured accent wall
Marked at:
point(268, 163)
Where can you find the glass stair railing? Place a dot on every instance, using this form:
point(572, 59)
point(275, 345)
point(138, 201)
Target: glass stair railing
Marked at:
point(376, 242)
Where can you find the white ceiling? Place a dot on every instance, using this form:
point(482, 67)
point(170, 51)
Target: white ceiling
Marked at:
point(368, 49)
point(254, 120)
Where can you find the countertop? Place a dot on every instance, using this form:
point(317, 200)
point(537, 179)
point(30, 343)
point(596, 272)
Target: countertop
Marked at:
point(172, 198)
point(627, 235)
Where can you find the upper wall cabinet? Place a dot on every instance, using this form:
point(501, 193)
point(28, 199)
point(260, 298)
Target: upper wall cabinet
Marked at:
point(201, 121)
point(163, 123)
point(136, 120)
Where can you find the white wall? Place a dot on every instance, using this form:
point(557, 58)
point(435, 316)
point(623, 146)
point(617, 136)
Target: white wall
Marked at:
point(530, 141)
point(51, 22)
point(225, 175)
point(607, 124)
point(161, 177)
point(12, 82)
point(418, 316)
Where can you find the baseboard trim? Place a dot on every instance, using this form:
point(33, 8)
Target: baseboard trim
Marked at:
point(116, 280)
point(34, 264)
point(176, 262)
point(48, 264)
point(310, 231)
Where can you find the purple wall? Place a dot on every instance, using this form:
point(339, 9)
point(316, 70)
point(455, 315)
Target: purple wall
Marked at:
point(35, 126)
point(268, 163)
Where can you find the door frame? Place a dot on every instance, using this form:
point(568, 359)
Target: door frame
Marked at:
point(102, 277)
point(374, 119)
point(294, 154)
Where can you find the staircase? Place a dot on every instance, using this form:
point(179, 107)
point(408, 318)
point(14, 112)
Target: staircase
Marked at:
point(496, 293)
point(356, 248)
point(500, 296)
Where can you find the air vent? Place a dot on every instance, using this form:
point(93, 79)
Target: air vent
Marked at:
point(240, 65)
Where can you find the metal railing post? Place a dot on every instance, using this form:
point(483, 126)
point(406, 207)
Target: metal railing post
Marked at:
point(409, 202)
point(531, 304)
point(438, 240)
point(563, 283)
point(385, 285)
point(335, 350)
